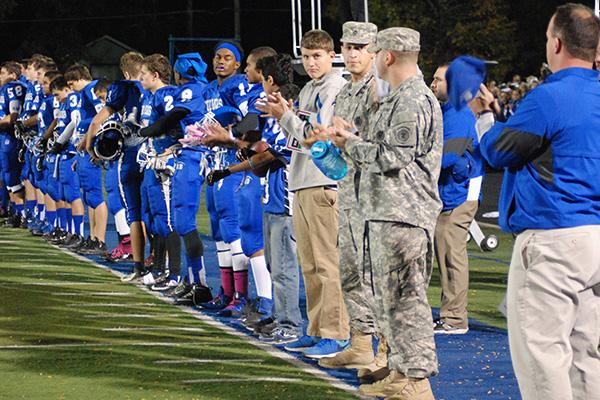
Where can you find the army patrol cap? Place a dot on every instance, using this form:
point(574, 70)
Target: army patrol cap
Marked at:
point(396, 39)
point(358, 32)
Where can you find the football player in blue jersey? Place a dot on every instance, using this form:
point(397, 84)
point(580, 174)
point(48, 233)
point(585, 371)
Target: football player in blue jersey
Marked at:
point(276, 74)
point(114, 201)
point(247, 202)
point(188, 108)
point(47, 113)
point(50, 165)
point(12, 97)
point(236, 91)
point(125, 97)
point(157, 159)
point(42, 66)
point(230, 89)
point(26, 126)
point(70, 211)
point(90, 174)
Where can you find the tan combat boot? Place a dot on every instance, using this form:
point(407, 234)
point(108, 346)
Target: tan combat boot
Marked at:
point(358, 355)
point(378, 369)
point(399, 387)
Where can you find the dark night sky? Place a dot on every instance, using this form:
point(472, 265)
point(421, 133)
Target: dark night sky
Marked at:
point(61, 28)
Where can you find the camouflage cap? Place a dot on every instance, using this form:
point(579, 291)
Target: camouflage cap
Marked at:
point(398, 39)
point(358, 32)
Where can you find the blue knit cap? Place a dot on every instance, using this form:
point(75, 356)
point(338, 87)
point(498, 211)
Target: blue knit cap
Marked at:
point(464, 77)
point(191, 66)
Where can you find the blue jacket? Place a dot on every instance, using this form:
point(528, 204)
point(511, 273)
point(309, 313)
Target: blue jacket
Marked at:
point(460, 160)
point(551, 151)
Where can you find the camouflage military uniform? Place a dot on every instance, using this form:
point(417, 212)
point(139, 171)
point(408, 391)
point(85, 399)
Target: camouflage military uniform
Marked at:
point(353, 104)
point(400, 156)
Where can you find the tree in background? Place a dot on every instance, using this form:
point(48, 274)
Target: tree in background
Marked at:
point(450, 28)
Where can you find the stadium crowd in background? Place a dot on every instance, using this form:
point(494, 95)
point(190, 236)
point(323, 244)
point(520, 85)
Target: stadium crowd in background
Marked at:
point(357, 182)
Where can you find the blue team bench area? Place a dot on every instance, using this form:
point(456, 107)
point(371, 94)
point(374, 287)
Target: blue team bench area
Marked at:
point(475, 365)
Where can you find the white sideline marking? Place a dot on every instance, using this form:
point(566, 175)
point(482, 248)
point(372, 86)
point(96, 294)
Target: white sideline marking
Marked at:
point(272, 351)
point(136, 344)
point(249, 379)
point(62, 273)
point(149, 328)
point(116, 294)
point(40, 266)
point(112, 305)
point(207, 361)
point(66, 283)
point(119, 315)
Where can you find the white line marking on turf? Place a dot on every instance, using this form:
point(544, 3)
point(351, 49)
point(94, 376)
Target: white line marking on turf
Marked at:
point(208, 361)
point(66, 283)
point(135, 344)
point(249, 379)
point(115, 294)
point(119, 315)
point(163, 328)
point(112, 305)
point(273, 351)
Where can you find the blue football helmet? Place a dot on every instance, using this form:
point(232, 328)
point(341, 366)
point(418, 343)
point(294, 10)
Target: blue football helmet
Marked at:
point(109, 140)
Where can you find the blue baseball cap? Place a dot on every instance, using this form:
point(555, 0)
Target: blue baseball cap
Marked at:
point(464, 77)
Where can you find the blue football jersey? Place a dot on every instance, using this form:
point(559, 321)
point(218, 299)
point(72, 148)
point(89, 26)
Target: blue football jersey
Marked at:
point(162, 103)
point(33, 99)
point(89, 105)
point(47, 112)
point(276, 198)
point(12, 97)
point(237, 92)
point(146, 108)
point(125, 96)
point(68, 111)
point(191, 97)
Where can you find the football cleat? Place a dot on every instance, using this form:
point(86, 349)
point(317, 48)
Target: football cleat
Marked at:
point(217, 303)
point(201, 294)
point(235, 308)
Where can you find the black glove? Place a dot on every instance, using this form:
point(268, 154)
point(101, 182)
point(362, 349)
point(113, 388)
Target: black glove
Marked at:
point(19, 129)
point(57, 148)
point(244, 154)
point(216, 175)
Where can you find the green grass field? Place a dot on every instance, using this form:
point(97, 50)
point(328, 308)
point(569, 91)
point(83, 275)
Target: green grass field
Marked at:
point(69, 330)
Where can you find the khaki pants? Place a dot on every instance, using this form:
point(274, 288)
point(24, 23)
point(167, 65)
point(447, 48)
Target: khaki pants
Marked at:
point(553, 302)
point(450, 245)
point(316, 226)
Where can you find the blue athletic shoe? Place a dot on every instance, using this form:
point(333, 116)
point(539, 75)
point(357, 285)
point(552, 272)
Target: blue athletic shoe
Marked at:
point(218, 302)
point(305, 342)
point(235, 308)
point(47, 228)
point(326, 348)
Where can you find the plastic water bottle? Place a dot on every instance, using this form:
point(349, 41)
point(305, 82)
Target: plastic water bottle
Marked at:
point(329, 160)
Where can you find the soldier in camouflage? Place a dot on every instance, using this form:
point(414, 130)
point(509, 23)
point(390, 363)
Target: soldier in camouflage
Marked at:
point(399, 156)
point(353, 104)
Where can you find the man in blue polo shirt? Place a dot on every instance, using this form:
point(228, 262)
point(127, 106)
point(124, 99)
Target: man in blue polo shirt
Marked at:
point(550, 149)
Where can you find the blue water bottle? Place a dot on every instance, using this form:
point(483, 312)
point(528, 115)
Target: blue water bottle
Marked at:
point(329, 160)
